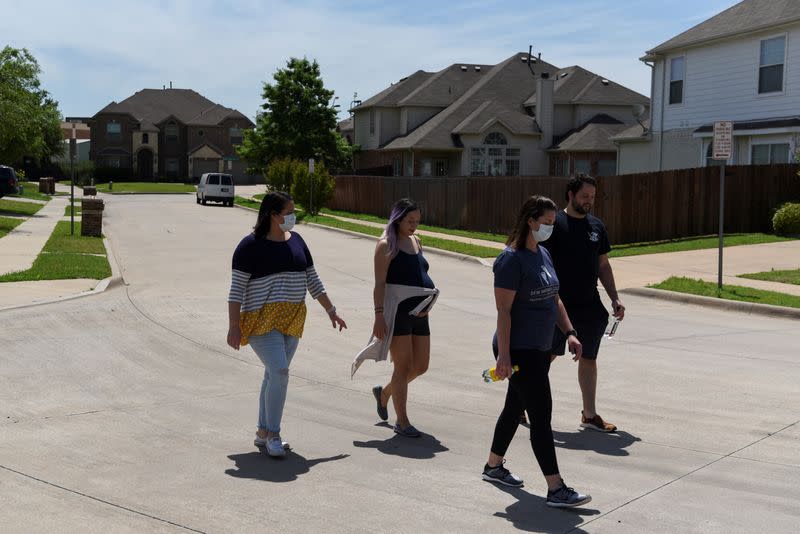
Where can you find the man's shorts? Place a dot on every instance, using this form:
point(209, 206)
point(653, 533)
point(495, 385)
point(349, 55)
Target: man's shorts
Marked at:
point(405, 324)
point(590, 321)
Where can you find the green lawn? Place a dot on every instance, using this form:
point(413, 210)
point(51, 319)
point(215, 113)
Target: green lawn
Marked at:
point(31, 190)
point(693, 243)
point(739, 293)
point(246, 202)
point(8, 223)
point(62, 242)
point(145, 187)
point(65, 257)
point(784, 277)
point(77, 209)
point(18, 208)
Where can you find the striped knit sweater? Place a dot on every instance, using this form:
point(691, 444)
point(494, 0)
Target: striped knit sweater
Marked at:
point(269, 280)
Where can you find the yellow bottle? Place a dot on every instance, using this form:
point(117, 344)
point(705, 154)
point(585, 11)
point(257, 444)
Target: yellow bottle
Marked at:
point(490, 375)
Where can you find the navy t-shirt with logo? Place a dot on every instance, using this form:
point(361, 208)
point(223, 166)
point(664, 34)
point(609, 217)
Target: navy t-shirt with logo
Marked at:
point(576, 246)
point(533, 314)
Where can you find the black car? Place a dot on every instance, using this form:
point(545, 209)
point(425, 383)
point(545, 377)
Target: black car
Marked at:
point(9, 185)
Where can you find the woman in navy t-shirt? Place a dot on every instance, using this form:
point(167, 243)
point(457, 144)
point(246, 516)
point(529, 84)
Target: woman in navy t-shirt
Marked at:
point(528, 308)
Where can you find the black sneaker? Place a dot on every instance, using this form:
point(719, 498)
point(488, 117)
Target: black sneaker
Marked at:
point(383, 413)
point(501, 475)
point(566, 497)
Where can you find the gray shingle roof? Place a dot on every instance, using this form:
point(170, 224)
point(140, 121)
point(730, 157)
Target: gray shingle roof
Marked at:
point(592, 136)
point(746, 16)
point(390, 96)
point(576, 85)
point(446, 86)
point(631, 133)
point(152, 106)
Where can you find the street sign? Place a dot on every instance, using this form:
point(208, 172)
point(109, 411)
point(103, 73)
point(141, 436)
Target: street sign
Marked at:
point(723, 140)
point(311, 165)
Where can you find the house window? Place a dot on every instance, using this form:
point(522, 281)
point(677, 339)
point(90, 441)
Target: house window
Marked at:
point(230, 166)
point(494, 158)
point(606, 167)
point(397, 167)
point(562, 167)
point(171, 166)
point(113, 131)
point(770, 70)
point(145, 138)
point(440, 167)
point(710, 161)
point(769, 154)
point(171, 132)
point(113, 163)
point(583, 165)
point(676, 74)
point(371, 121)
point(236, 136)
point(200, 133)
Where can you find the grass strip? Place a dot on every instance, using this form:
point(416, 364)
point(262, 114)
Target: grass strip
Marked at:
point(31, 190)
point(77, 209)
point(62, 242)
point(246, 202)
point(693, 243)
point(122, 188)
point(728, 292)
point(19, 208)
point(9, 223)
point(784, 277)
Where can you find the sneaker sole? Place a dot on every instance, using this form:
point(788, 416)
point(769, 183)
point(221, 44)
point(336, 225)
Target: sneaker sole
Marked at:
point(276, 454)
point(568, 505)
point(596, 428)
point(286, 445)
point(496, 481)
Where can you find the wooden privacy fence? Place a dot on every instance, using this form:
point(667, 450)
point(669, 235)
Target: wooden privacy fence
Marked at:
point(635, 207)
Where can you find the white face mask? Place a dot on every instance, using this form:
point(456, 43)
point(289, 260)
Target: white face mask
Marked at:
point(543, 233)
point(288, 222)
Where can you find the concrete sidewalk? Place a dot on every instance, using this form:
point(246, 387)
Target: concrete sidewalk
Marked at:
point(22, 245)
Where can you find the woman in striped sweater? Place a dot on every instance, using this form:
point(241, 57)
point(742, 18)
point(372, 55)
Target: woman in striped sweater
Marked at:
point(272, 270)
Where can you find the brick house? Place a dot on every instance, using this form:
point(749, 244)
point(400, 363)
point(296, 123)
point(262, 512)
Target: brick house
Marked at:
point(168, 133)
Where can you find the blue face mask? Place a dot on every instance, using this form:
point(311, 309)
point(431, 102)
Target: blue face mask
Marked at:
point(288, 222)
point(543, 233)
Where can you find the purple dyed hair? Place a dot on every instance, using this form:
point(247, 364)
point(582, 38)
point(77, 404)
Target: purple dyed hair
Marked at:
point(400, 209)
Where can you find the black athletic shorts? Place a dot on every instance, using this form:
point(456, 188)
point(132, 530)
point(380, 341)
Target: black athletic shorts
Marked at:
point(590, 321)
point(405, 324)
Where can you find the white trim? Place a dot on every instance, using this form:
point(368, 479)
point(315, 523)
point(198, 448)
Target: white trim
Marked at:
point(669, 83)
point(744, 133)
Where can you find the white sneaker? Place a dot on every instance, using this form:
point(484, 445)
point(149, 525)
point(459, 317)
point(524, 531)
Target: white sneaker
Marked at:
point(275, 447)
point(262, 442)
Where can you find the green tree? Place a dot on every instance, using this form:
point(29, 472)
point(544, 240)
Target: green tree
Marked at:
point(282, 173)
point(31, 122)
point(297, 121)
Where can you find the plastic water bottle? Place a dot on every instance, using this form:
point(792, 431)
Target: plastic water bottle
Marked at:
point(490, 375)
point(611, 329)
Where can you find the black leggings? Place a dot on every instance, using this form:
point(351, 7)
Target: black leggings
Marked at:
point(529, 389)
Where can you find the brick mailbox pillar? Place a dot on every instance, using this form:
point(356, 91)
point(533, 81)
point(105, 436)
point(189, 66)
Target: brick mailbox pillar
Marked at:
point(47, 186)
point(89, 191)
point(92, 217)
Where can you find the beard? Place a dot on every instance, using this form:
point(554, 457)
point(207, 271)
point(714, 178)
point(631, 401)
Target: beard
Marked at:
point(583, 209)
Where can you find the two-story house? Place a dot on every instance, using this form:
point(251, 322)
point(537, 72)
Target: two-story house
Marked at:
point(740, 65)
point(170, 133)
point(522, 116)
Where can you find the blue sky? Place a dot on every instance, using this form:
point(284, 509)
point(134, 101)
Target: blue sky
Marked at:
point(94, 52)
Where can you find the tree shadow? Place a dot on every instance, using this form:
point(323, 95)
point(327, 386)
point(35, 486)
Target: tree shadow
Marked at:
point(612, 444)
point(260, 466)
point(424, 447)
point(531, 514)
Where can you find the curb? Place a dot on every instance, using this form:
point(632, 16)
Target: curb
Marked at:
point(711, 302)
point(486, 262)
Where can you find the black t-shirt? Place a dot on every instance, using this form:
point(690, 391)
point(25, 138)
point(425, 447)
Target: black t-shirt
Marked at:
point(576, 246)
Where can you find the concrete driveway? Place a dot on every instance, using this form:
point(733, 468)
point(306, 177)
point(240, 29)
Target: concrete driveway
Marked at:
point(127, 411)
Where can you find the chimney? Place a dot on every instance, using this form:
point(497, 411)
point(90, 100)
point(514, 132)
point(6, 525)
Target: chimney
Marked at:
point(544, 108)
point(170, 85)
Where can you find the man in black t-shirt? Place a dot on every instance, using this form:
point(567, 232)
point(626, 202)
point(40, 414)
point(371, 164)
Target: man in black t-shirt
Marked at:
point(579, 247)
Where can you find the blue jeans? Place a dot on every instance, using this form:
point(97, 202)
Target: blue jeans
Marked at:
point(275, 350)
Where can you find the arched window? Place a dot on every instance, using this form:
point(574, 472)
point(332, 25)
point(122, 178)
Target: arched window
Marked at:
point(171, 131)
point(494, 158)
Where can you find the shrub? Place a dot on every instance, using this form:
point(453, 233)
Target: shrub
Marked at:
point(282, 173)
point(786, 220)
point(323, 185)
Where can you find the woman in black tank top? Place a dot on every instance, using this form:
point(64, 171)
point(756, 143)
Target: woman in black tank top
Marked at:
point(399, 260)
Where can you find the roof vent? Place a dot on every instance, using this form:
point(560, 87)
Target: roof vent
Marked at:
point(477, 68)
point(524, 59)
point(463, 68)
point(604, 81)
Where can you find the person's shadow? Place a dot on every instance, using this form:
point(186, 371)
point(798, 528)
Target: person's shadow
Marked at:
point(612, 444)
point(424, 447)
point(260, 466)
point(531, 514)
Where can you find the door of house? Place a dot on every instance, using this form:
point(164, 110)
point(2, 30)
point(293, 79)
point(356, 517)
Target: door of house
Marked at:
point(144, 164)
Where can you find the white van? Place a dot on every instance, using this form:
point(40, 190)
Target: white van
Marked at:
point(215, 187)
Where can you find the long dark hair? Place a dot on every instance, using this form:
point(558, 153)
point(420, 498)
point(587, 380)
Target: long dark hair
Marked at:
point(274, 202)
point(534, 208)
point(400, 209)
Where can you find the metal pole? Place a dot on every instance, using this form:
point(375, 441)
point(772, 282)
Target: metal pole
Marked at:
point(721, 221)
point(72, 195)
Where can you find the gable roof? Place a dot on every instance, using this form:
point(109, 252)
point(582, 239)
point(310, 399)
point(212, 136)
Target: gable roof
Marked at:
point(744, 17)
point(576, 85)
point(633, 133)
point(390, 96)
point(592, 136)
point(153, 106)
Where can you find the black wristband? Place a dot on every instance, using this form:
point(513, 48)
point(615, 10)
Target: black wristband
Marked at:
point(572, 332)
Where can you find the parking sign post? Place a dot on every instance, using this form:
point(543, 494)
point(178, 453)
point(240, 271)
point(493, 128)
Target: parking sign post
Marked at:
point(72, 149)
point(723, 145)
